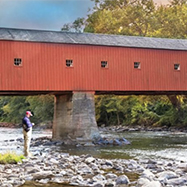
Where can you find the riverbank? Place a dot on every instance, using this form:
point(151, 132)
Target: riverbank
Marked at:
point(15, 125)
point(117, 128)
point(9, 125)
point(121, 128)
point(48, 166)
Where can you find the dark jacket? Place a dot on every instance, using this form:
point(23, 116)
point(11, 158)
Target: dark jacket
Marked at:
point(26, 123)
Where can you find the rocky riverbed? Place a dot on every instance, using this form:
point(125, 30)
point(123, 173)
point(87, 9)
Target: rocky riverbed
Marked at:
point(51, 167)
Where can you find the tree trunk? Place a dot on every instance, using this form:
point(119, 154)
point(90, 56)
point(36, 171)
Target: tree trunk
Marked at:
point(175, 102)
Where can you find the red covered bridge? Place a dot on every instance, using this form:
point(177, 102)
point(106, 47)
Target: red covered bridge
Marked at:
point(75, 66)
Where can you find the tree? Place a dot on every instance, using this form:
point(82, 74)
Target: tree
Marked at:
point(178, 2)
point(172, 21)
point(122, 17)
point(76, 26)
point(42, 107)
point(135, 18)
point(12, 108)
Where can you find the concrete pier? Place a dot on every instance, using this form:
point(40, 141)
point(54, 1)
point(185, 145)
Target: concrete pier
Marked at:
point(74, 117)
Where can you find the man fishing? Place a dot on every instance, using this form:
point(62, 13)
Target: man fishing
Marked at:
point(27, 133)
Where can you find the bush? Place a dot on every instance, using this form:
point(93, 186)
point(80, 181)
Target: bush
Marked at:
point(10, 158)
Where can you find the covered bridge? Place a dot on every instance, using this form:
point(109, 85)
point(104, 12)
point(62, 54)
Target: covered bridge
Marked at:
point(75, 66)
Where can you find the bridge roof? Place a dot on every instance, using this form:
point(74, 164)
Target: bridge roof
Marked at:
point(91, 39)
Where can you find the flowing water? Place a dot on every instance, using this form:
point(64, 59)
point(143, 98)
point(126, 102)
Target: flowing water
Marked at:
point(8, 137)
point(144, 145)
point(163, 145)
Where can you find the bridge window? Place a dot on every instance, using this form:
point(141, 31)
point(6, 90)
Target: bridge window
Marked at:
point(136, 65)
point(104, 64)
point(176, 66)
point(69, 63)
point(18, 62)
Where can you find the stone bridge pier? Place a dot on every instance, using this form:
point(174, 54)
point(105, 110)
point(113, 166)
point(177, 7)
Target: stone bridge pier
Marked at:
point(74, 118)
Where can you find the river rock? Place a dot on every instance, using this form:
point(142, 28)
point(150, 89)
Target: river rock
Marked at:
point(28, 177)
point(76, 180)
point(85, 170)
point(139, 169)
point(12, 176)
point(132, 166)
point(31, 170)
point(177, 181)
point(150, 161)
point(143, 182)
point(53, 161)
point(58, 179)
point(42, 175)
point(183, 166)
point(111, 176)
point(148, 174)
point(152, 166)
point(43, 181)
point(166, 175)
point(123, 179)
point(110, 183)
point(8, 171)
point(69, 172)
point(99, 178)
point(94, 167)
point(108, 163)
point(89, 160)
point(99, 185)
point(6, 184)
point(89, 144)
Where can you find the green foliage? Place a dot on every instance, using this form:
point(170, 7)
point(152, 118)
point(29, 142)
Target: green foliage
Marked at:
point(110, 109)
point(113, 110)
point(12, 109)
point(125, 18)
point(140, 110)
point(171, 21)
point(42, 107)
point(10, 158)
point(135, 18)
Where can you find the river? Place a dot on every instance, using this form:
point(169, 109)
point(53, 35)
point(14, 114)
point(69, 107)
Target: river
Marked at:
point(144, 145)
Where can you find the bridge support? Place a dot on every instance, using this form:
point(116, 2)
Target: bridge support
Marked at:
point(74, 117)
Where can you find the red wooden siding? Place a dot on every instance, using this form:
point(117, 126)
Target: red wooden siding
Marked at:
point(44, 68)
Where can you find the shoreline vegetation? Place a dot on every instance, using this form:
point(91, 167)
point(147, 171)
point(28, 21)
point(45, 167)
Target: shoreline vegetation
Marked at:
point(10, 158)
point(159, 111)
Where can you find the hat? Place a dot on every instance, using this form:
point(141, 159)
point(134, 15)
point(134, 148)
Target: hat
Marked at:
point(28, 113)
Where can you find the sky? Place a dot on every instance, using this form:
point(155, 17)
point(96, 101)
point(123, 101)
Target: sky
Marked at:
point(43, 14)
